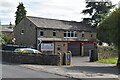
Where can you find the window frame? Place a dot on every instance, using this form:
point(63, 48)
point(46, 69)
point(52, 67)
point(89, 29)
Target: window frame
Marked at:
point(54, 33)
point(22, 31)
point(42, 33)
point(91, 35)
point(83, 34)
point(70, 34)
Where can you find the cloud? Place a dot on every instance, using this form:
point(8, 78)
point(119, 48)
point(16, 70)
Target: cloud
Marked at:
point(7, 6)
point(56, 9)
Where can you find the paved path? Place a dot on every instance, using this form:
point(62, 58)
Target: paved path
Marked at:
point(78, 60)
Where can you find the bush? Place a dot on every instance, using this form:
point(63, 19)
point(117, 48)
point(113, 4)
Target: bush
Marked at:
point(7, 39)
point(107, 52)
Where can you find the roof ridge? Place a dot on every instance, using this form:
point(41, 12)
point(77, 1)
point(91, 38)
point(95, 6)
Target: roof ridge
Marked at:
point(58, 24)
point(53, 19)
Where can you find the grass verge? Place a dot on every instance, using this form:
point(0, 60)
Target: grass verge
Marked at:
point(109, 60)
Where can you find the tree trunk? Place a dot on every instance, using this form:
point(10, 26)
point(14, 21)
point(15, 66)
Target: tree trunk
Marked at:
point(118, 63)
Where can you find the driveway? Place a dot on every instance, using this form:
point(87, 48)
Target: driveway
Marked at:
point(76, 60)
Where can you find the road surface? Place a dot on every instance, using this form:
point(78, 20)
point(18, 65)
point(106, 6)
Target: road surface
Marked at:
point(15, 71)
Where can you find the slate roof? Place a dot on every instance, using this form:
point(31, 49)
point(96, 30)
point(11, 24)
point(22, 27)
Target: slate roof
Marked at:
point(59, 24)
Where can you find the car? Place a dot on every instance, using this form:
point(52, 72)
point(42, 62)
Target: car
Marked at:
point(27, 50)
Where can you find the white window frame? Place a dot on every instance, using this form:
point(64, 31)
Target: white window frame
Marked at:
point(22, 31)
point(70, 32)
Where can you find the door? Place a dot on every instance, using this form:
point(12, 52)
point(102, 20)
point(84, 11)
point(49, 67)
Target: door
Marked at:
point(75, 48)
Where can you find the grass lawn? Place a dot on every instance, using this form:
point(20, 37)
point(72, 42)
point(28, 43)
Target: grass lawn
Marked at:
point(109, 60)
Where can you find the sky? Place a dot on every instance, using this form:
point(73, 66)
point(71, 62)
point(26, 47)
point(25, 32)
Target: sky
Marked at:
point(54, 9)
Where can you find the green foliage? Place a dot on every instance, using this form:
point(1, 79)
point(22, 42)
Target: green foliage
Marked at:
point(97, 11)
point(20, 13)
point(108, 29)
point(109, 60)
point(7, 39)
point(4, 39)
point(1, 39)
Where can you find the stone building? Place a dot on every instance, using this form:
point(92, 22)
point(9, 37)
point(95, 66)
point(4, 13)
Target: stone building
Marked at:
point(7, 30)
point(53, 36)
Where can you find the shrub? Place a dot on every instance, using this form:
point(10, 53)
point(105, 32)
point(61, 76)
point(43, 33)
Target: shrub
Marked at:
point(107, 52)
point(7, 39)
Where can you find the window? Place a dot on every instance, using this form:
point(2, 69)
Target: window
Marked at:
point(22, 31)
point(54, 33)
point(59, 47)
point(41, 33)
point(83, 34)
point(75, 33)
point(70, 34)
point(91, 35)
point(65, 33)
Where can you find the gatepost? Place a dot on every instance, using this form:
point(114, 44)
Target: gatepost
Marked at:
point(93, 54)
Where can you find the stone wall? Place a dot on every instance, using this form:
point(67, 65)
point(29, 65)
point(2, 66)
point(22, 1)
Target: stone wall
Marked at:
point(107, 52)
point(26, 58)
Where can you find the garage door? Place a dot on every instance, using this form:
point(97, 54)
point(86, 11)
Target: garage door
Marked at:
point(74, 48)
point(87, 47)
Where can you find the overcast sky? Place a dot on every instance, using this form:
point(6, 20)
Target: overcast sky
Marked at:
point(55, 9)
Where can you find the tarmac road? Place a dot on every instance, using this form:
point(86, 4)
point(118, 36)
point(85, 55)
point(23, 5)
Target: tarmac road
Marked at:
point(14, 71)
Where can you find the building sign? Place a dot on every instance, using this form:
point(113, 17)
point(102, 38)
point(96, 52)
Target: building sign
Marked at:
point(47, 47)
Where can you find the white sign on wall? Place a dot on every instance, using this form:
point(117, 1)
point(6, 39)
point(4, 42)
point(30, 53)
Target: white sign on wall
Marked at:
point(47, 47)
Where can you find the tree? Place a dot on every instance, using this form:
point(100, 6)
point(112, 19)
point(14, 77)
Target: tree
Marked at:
point(1, 39)
point(5, 39)
point(20, 13)
point(97, 11)
point(110, 29)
